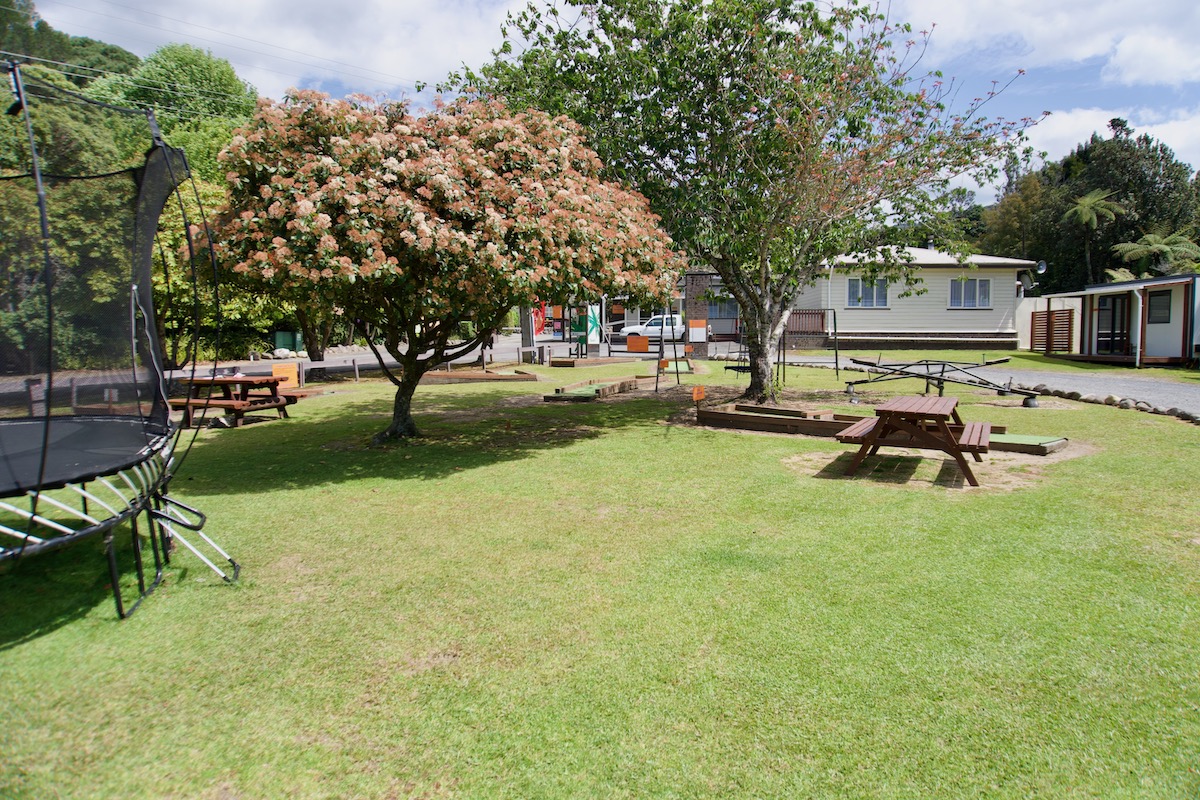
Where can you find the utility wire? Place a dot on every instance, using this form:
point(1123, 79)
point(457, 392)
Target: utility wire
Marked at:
point(308, 56)
point(408, 83)
point(92, 73)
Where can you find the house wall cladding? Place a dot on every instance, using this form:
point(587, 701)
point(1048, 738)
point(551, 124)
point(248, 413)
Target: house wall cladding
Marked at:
point(923, 314)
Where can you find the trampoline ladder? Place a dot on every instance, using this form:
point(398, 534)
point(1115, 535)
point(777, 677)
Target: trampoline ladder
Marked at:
point(174, 515)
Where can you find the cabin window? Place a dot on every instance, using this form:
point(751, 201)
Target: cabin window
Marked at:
point(865, 294)
point(1159, 310)
point(722, 308)
point(971, 293)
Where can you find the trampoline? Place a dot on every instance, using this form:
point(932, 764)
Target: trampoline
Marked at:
point(87, 445)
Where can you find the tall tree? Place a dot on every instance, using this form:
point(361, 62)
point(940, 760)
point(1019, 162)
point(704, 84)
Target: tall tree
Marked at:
point(770, 135)
point(1088, 212)
point(413, 226)
point(183, 84)
point(1161, 252)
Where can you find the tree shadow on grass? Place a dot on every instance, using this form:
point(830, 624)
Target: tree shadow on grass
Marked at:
point(459, 432)
point(40, 594)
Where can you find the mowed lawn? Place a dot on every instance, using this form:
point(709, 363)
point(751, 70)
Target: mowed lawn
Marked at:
point(542, 600)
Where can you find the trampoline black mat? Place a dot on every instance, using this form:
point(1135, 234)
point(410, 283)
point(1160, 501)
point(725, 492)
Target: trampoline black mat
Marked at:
point(79, 449)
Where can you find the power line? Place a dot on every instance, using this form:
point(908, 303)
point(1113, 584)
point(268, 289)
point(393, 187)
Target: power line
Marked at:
point(305, 63)
point(397, 78)
point(90, 73)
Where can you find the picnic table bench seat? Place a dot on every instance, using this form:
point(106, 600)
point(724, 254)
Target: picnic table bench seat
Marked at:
point(232, 407)
point(858, 431)
point(975, 437)
point(972, 437)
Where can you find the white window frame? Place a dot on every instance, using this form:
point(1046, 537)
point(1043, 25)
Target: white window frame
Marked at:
point(969, 291)
point(881, 286)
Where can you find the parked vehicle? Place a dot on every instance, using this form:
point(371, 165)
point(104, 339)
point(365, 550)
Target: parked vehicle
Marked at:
point(671, 326)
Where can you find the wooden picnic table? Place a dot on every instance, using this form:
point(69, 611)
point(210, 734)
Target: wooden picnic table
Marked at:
point(233, 394)
point(930, 423)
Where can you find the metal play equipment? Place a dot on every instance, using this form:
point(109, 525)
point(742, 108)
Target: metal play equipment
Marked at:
point(938, 373)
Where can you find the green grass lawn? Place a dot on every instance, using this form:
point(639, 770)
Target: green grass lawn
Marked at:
point(544, 600)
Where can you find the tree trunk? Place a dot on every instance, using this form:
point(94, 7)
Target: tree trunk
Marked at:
point(762, 345)
point(315, 331)
point(402, 425)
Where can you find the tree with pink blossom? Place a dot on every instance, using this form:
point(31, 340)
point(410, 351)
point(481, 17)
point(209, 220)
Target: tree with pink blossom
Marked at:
point(413, 226)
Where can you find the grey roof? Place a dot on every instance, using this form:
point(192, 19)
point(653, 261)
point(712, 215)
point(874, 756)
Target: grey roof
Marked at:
point(1128, 286)
point(924, 257)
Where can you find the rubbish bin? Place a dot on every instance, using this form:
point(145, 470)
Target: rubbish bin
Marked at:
point(289, 340)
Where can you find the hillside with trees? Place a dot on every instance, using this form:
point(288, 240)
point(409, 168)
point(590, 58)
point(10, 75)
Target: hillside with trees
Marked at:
point(1078, 214)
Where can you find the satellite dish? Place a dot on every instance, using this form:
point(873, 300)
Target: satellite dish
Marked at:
point(1026, 281)
point(1041, 268)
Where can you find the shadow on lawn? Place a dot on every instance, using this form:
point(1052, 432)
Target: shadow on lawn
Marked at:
point(43, 593)
point(459, 432)
point(898, 470)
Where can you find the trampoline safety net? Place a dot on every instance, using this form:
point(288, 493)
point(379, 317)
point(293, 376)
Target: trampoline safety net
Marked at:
point(82, 385)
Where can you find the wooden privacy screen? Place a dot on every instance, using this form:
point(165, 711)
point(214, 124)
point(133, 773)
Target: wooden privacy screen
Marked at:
point(1052, 330)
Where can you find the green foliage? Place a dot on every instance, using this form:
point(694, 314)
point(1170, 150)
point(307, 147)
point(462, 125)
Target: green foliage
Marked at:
point(182, 83)
point(23, 32)
point(90, 260)
point(203, 139)
point(1161, 252)
point(1041, 216)
point(202, 314)
point(771, 136)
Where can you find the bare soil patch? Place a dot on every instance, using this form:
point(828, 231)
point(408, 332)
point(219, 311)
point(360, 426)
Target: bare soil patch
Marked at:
point(912, 469)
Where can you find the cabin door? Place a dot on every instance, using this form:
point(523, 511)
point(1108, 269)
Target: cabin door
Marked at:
point(1112, 325)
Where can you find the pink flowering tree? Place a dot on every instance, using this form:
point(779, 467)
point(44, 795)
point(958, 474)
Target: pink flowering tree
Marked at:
point(413, 226)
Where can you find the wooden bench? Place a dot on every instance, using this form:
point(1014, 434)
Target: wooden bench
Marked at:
point(857, 433)
point(973, 437)
point(232, 408)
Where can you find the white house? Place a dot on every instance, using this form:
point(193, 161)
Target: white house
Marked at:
point(963, 305)
point(1150, 321)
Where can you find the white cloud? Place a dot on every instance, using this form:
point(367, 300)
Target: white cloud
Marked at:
point(1139, 43)
point(1063, 130)
point(1153, 57)
point(367, 46)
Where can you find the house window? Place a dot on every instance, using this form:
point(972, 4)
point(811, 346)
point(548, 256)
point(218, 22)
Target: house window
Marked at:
point(864, 294)
point(1160, 307)
point(971, 293)
point(723, 308)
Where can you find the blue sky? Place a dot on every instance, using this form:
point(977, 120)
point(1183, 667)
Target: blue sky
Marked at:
point(1085, 61)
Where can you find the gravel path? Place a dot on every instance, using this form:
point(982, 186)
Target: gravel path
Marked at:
point(1158, 392)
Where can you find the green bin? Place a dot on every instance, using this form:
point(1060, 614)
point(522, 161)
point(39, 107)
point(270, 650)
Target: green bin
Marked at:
point(289, 340)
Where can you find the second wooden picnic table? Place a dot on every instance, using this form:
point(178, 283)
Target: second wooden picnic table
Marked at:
point(233, 394)
point(931, 423)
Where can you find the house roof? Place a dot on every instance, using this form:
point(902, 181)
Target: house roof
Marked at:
point(1128, 286)
point(925, 257)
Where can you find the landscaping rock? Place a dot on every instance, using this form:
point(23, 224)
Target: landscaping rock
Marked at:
point(1112, 400)
point(1125, 403)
